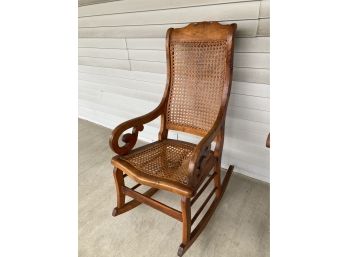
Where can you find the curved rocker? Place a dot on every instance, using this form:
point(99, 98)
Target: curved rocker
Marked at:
point(199, 76)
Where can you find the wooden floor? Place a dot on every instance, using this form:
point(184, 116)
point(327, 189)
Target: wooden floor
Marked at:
point(239, 227)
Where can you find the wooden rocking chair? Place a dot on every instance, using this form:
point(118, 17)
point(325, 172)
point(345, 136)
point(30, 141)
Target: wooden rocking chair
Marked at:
point(199, 75)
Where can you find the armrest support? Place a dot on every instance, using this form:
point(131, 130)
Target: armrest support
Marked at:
point(130, 139)
point(202, 149)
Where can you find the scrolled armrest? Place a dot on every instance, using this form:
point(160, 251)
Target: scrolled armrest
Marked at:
point(130, 139)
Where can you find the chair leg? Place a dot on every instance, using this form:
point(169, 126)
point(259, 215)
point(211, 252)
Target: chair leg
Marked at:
point(217, 180)
point(205, 219)
point(121, 197)
point(218, 153)
point(186, 224)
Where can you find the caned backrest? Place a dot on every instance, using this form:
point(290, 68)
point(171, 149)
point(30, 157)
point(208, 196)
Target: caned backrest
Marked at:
point(199, 66)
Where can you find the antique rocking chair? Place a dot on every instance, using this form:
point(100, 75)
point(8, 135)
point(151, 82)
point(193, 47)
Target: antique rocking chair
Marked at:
point(199, 75)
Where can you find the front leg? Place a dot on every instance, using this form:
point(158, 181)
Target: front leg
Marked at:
point(186, 224)
point(119, 182)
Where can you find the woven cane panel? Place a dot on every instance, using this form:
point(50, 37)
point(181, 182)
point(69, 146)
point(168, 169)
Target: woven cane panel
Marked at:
point(198, 76)
point(167, 159)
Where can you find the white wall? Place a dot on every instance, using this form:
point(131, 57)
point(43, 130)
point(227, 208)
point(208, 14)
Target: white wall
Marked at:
point(122, 68)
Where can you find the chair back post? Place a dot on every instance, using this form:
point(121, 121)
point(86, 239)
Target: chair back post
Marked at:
point(163, 133)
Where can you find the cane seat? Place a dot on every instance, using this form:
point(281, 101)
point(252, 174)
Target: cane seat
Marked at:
point(164, 162)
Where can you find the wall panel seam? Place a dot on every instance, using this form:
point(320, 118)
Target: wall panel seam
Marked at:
point(156, 24)
point(171, 8)
point(129, 61)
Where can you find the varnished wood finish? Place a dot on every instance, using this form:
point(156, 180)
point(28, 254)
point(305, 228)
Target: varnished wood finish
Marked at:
point(153, 203)
point(119, 182)
point(203, 205)
point(133, 203)
point(202, 159)
point(218, 154)
point(151, 181)
point(194, 199)
point(136, 186)
point(186, 219)
point(204, 221)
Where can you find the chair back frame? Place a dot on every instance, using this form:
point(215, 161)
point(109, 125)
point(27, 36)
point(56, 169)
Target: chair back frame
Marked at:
point(198, 32)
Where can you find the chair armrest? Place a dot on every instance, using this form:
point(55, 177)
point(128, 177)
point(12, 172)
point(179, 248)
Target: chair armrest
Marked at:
point(130, 139)
point(202, 149)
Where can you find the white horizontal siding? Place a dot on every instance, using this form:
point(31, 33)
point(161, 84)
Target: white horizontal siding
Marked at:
point(264, 27)
point(250, 102)
point(146, 43)
point(252, 89)
point(102, 62)
point(151, 87)
point(122, 69)
point(233, 11)
point(246, 28)
point(264, 9)
point(92, 2)
point(249, 114)
point(148, 55)
point(251, 75)
point(143, 76)
point(114, 43)
point(154, 67)
point(148, 5)
point(121, 54)
point(97, 88)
